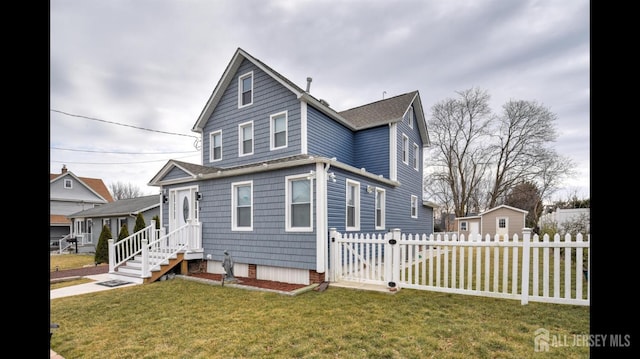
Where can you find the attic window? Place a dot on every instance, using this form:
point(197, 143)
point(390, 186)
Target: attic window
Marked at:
point(68, 184)
point(409, 116)
point(245, 90)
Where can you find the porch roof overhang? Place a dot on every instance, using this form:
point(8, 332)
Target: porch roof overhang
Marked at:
point(208, 173)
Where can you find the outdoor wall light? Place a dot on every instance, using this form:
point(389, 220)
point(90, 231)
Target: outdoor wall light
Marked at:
point(332, 176)
point(369, 189)
point(198, 196)
point(165, 199)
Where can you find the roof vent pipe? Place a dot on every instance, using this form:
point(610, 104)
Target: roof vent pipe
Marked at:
point(309, 79)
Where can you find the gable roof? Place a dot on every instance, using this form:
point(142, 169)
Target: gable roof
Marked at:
point(123, 207)
point(386, 111)
point(504, 206)
point(374, 114)
point(95, 185)
point(476, 216)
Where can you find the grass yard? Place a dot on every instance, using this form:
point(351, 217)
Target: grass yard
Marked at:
point(187, 319)
point(70, 261)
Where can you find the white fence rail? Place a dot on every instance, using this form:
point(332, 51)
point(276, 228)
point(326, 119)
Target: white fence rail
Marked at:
point(528, 268)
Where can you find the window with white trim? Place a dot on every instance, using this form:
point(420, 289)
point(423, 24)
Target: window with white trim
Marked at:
point(405, 149)
point(279, 130)
point(409, 116)
point(245, 90)
point(242, 206)
point(463, 226)
point(380, 208)
point(416, 157)
point(299, 200)
point(502, 223)
point(121, 222)
point(215, 143)
point(352, 206)
point(68, 184)
point(414, 206)
point(245, 136)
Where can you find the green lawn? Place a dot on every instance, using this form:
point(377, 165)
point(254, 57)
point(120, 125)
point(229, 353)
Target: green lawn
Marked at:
point(70, 261)
point(187, 319)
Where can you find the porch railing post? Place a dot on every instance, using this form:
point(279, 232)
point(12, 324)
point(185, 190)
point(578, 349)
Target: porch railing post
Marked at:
point(145, 259)
point(112, 255)
point(526, 245)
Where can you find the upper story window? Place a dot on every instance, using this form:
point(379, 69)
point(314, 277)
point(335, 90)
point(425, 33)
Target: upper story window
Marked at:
point(245, 90)
point(245, 136)
point(353, 206)
point(68, 184)
point(215, 144)
point(409, 117)
point(299, 199)
point(416, 157)
point(380, 208)
point(242, 206)
point(405, 149)
point(414, 206)
point(279, 130)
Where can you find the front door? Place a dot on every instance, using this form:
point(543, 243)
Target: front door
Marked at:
point(182, 207)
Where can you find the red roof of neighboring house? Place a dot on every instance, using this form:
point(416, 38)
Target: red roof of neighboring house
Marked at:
point(95, 183)
point(55, 219)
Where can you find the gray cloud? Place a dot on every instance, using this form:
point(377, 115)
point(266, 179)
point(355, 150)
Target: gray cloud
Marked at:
point(154, 63)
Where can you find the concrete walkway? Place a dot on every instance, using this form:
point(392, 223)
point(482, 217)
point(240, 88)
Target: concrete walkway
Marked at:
point(86, 287)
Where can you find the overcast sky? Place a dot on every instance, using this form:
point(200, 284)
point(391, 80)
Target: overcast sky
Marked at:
point(152, 65)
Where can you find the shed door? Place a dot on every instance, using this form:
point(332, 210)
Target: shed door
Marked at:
point(502, 228)
point(474, 229)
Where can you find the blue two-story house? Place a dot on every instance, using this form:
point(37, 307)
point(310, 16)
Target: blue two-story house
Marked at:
point(281, 167)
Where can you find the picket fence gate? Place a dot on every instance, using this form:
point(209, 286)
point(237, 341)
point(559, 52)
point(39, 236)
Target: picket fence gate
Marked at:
point(531, 268)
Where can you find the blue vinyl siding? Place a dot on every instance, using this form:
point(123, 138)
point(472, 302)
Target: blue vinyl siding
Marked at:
point(329, 138)
point(175, 173)
point(268, 243)
point(372, 150)
point(269, 97)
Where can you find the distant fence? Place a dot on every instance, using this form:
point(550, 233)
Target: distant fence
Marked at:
point(528, 268)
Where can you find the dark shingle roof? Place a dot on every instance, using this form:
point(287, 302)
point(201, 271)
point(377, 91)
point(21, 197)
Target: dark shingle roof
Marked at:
point(120, 207)
point(379, 112)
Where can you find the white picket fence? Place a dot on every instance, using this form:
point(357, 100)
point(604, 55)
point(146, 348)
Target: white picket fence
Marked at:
point(528, 268)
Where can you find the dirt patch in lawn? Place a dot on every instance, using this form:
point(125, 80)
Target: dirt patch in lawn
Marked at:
point(259, 283)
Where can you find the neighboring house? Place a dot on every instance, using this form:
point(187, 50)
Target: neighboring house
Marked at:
point(68, 194)
point(88, 224)
point(503, 220)
point(281, 167)
point(561, 216)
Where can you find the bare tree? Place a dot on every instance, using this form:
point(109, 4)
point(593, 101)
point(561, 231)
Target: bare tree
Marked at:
point(521, 151)
point(121, 190)
point(477, 158)
point(459, 157)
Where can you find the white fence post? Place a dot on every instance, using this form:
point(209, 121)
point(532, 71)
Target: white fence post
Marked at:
point(526, 245)
point(112, 255)
point(333, 234)
point(392, 251)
